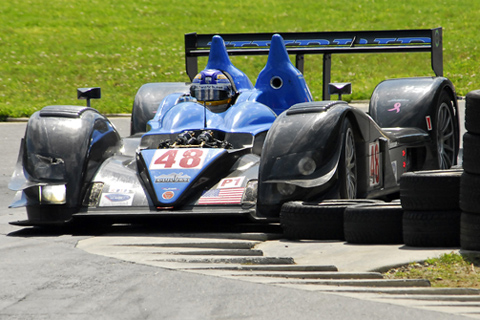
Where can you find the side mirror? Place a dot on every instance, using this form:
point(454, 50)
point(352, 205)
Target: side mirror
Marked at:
point(340, 88)
point(89, 93)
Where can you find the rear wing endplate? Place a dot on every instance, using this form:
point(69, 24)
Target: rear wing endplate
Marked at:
point(326, 43)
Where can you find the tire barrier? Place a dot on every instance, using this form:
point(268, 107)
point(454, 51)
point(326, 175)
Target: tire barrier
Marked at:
point(316, 221)
point(470, 180)
point(432, 211)
point(374, 224)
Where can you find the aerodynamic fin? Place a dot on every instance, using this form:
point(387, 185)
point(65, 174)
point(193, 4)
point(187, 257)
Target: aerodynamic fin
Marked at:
point(218, 59)
point(282, 84)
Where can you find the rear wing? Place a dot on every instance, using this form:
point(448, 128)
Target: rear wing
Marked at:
point(326, 43)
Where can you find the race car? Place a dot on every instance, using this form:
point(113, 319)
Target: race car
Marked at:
point(220, 145)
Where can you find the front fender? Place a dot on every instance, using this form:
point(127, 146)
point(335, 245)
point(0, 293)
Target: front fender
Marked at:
point(64, 145)
point(305, 131)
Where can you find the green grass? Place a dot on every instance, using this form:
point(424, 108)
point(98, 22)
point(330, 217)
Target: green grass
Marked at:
point(449, 270)
point(49, 48)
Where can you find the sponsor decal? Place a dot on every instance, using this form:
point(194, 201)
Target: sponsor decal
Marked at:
point(338, 42)
point(222, 196)
point(429, 123)
point(172, 178)
point(167, 195)
point(178, 159)
point(396, 107)
point(231, 182)
point(116, 199)
point(394, 168)
point(374, 163)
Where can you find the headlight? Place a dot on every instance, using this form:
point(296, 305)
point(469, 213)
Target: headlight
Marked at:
point(250, 193)
point(286, 189)
point(96, 189)
point(306, 166)
point(53, 194)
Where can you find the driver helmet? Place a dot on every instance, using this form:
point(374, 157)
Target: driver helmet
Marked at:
point(213, 89)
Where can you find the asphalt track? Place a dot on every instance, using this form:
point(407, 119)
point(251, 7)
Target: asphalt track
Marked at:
point(131, 272)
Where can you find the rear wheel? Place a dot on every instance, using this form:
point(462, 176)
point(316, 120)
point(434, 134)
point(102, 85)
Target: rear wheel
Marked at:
point(446, 133)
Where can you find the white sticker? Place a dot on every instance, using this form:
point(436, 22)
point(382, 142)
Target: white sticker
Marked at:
point(234, 182)
point(374, 163)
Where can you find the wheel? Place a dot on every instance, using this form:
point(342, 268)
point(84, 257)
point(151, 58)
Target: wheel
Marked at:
point(373, 224)
point(469, 191)
point(430, 190)
point(316, 221)
point(470, 231)
point(431, 228)
point(471, 153)
point(446, 133)
point(472, 112)
point(348, 164)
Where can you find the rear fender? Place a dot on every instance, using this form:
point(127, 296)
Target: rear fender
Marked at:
point(409, 102)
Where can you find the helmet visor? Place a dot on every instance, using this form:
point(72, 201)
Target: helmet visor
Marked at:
point(211, 92)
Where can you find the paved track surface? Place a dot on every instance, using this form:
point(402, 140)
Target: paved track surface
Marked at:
point(170, 272)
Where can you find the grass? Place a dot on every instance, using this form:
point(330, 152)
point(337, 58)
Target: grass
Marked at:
point(449, 270)
point(49, 48)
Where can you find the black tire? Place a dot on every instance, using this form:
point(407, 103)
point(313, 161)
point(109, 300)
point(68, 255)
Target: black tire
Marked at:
point(472, 112)
point(445, 132)
point(347, 172)
point(430, 190)
point(431, 228)
point(147, 101)
point(352, 201)
point(374, 224)
point(470, 231)
point(301, 220)
point(469, 193)
point(471, 153)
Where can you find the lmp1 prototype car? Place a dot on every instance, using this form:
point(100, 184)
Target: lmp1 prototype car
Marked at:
point(222, 146)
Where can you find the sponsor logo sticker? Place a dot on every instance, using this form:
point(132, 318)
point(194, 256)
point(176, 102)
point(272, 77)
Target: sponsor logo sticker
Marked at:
point(231, 182)
point(172, 178)
point(167, 195)
point(116, 199)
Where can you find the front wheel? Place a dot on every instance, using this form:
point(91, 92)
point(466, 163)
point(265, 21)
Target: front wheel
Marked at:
point(347, 167)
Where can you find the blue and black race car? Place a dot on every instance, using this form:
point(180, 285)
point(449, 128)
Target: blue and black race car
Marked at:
point(220, 145)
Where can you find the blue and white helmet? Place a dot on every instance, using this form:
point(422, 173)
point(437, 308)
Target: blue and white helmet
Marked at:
point(213, 89)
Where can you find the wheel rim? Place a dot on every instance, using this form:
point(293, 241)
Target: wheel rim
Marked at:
point(445, 137)
point(350, 165)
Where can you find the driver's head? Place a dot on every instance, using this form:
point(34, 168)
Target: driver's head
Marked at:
point(213, 89)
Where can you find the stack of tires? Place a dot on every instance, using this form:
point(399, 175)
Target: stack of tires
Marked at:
point(316, 221)
point(430, 200)
point(470, 182)
point(379, 223)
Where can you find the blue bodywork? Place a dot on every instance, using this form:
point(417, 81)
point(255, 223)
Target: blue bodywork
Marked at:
point(255, 108)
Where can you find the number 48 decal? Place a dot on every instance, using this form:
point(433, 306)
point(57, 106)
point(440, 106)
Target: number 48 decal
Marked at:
point(374, 153)
point(178, 159)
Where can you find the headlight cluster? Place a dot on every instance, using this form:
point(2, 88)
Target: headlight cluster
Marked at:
point(53, 194)
point(250, 193)
point(286, 189)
